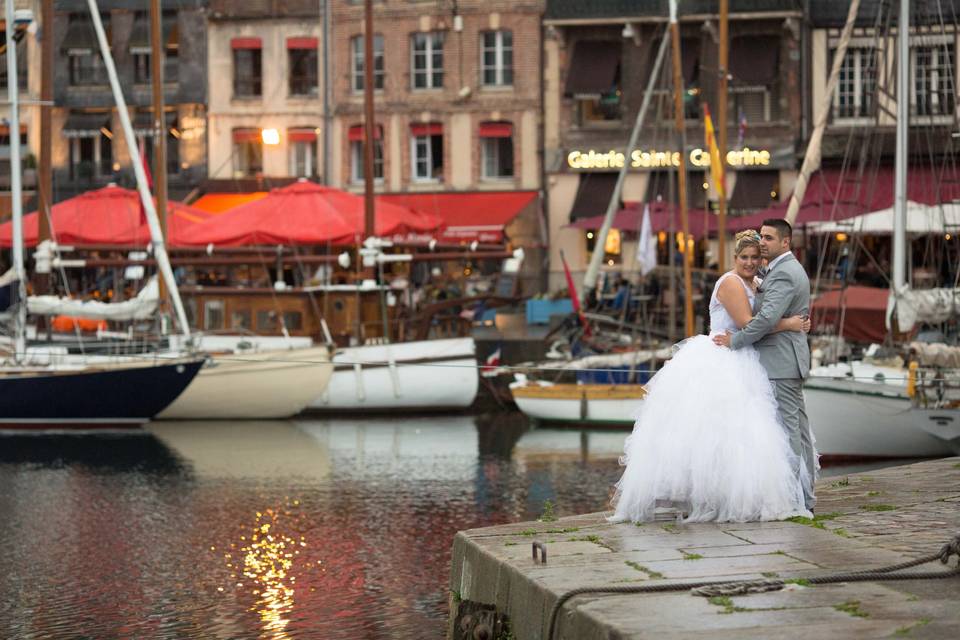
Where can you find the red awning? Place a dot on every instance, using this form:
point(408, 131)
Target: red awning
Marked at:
point(836, 195)
point(863, 310)
point(469, 217)
point(426, 129)
point(246, 135)
point(496, 129)
point(355, 134)
point(302, 135)
point(110, 216)
point(221, 202)
point(306, 213)
point(302, 43)
point(246, 43)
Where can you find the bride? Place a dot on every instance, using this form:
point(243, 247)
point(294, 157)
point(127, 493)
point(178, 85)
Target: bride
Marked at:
point(707, 434)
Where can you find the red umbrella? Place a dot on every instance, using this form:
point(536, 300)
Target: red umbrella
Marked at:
point(306, 213)
point(111, 215)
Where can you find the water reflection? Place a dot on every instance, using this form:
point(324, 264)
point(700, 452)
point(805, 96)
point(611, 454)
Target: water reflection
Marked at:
point(307, 529)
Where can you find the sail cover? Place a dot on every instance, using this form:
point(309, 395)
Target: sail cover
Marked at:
point(140, 308)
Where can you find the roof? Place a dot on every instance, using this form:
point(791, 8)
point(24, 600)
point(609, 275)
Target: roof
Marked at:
point(594, 9)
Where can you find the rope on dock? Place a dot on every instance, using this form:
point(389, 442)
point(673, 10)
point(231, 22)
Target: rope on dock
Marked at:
point(739, 587)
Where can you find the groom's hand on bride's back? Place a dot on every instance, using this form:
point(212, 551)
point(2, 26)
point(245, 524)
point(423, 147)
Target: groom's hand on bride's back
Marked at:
point(722, 339)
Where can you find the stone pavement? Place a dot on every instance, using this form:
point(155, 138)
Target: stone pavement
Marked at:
point(863, 521)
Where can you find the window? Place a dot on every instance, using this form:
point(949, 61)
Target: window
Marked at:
point(426, 51)
point(293, 320)
point(86, 68)
point(496, 58)
point(240, 319)
point(857, 85)
point(356, 154)
point(247, 68)
point(213, 315)
point(303, 152)
point(91, 157)
point(750, 104)
point(932, 70)
point(247, 153)
point(302, 58)
point(140, 51)
point(356, 45)
point(426, 147)
point(496, 150)
point(22, 68)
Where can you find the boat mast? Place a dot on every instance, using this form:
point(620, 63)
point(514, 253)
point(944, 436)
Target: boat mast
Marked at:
point(156, 234)
point(900, 161)
point(45, 177)
point(722, 82)
point(681, 170)
point(368, 142)
point(811, 160)
point(590, 279)
point(16, 188)
point(159, 128)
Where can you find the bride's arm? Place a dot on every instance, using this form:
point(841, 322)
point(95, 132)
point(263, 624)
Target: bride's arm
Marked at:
point(733, 297)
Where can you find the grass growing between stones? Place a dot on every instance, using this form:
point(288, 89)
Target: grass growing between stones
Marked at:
point(871, 494)
point(654, 575)
point(566, 530)
point(692, 556)
point(548, 514)
point(816, 521)
point(593, 539)
point(878, 507)
point(905, 631)
point(843, 482)
point(841, 532)
point(853, 608)
point(670, 528)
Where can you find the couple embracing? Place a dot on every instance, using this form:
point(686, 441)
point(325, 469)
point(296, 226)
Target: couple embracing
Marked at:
point(723, 429)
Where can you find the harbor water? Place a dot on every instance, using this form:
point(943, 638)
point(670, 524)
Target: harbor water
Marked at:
point(313, 528)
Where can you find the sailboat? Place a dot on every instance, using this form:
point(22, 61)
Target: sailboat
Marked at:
point(864, 410)
point(80, 395)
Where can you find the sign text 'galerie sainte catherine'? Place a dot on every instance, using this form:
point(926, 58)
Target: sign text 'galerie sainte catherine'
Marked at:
point(653, 159)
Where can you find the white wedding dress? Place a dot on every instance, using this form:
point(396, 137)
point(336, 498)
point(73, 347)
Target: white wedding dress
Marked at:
point(707, 435)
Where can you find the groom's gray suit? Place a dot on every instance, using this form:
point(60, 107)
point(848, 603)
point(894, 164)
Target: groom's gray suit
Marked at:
point(785, 355)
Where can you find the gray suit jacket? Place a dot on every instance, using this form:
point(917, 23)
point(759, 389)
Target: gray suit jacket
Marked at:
point(785, 292)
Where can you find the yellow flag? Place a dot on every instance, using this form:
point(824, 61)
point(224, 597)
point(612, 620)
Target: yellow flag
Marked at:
point(716, 168)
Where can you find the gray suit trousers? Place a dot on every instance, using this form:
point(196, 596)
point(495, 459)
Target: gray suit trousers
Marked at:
point(793, 415)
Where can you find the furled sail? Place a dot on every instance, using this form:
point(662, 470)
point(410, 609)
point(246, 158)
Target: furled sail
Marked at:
point(142, 307)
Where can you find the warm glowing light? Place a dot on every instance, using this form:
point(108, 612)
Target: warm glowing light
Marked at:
point(270, 136)
point(773, 194)
point(589, 235)
point(706, 186)
point(841, 237)
point(612, 243)
point(947, 236)
point(268, 562)
point(610, 262)
point(661, 236)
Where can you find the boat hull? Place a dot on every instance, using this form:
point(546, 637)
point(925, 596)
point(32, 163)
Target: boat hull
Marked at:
point(92, 397)
point(272, 384)
point(601, 405)
point(425, 375)
point(861, 425)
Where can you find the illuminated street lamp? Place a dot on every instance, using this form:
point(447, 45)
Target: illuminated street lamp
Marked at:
point(270, 136)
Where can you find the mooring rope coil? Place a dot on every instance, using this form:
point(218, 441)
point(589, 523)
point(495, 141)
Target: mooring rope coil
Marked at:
point(712, 588)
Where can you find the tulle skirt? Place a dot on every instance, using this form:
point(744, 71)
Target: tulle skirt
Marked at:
point(707, 435)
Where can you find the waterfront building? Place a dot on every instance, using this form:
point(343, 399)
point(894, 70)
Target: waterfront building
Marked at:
point(89, 149)
point(265, 92)
point(597, 59)
point(28, 79)
point(457, 106)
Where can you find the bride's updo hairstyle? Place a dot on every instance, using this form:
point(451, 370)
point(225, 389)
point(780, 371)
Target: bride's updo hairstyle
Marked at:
point(744, 239)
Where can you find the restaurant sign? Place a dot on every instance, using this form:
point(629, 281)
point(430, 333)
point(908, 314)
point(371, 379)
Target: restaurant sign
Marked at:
point(653, 159)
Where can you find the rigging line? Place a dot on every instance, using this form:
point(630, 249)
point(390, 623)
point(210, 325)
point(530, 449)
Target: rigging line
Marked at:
point(507, 368)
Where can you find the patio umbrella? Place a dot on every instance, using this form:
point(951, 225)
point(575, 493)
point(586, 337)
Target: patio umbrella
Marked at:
point(306, 213)
point(111, 216)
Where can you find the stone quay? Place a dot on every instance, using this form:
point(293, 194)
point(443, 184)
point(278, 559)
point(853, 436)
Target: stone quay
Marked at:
point(864, 521)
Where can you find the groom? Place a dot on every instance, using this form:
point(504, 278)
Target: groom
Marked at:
point(785, 355)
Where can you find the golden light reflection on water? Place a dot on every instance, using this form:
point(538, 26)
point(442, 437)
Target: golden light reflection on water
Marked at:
point(265, 558)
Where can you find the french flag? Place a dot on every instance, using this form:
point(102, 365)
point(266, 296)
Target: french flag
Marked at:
point(491, 363)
